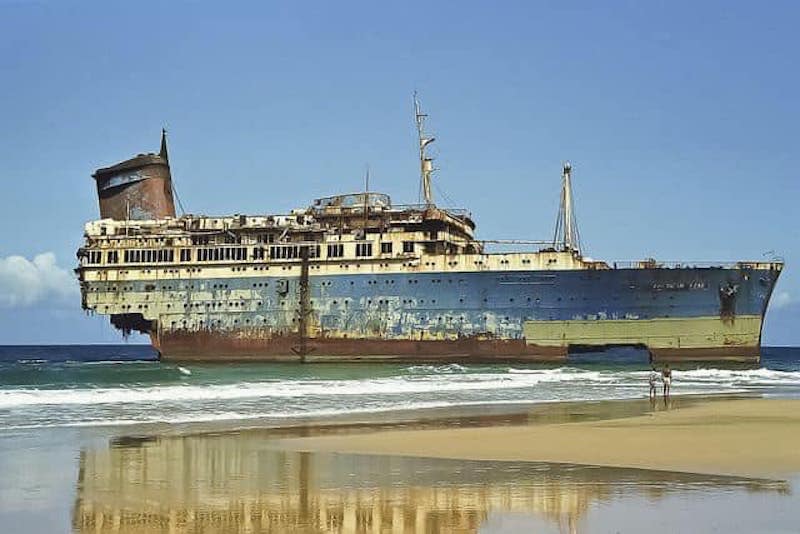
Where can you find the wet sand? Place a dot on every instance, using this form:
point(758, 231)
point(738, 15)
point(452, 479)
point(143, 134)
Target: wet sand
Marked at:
point(747, 437)
point(455, 471)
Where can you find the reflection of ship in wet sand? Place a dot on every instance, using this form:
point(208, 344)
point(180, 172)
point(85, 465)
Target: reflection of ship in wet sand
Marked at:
point(236, 483)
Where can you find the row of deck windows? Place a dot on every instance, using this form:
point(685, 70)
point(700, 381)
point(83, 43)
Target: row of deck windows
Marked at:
point(284, 252)
point(221, 253)
point(335, 250)
point(149, 256)
point(363, 249)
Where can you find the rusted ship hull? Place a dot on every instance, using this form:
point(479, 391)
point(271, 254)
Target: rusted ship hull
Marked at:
point(675, 314)
point(209, 346)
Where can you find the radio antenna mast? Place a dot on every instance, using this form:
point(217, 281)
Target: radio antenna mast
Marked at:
point(425, 161)
point(566, 236)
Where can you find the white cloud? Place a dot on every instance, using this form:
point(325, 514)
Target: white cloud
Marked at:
point(782, 300)
point(24, 282)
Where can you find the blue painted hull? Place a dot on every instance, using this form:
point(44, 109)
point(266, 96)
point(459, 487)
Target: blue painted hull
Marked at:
point(425, 315)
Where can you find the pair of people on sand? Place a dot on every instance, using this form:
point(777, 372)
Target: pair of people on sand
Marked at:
point(666, 378)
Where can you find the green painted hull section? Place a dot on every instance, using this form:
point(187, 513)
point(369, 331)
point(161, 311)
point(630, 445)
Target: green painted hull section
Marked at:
point(675, 333)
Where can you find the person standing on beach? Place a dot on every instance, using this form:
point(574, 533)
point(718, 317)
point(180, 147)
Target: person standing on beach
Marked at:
point(653, 378)
point(666, 376)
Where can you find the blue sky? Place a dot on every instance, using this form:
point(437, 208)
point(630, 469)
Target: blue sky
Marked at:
point(680, 119)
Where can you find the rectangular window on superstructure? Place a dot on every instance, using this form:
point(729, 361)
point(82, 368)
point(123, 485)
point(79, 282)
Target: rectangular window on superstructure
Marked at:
point(408, 246)
point(363, 249)
point(185, 254)
point(336, 250)
point(386, 248)
point(112, 256)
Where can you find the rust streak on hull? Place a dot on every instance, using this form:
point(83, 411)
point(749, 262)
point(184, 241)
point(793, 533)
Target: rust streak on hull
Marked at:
point(208, 346)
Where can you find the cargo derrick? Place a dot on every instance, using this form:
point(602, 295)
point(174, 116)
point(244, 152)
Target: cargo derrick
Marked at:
point(353, 277)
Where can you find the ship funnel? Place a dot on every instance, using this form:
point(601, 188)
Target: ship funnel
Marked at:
point(139, 188)
point(566, 236)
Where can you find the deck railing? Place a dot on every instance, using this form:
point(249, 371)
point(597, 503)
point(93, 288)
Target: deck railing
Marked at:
point(658, 264)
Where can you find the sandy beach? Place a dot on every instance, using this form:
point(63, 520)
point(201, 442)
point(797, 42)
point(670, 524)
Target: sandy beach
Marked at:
point(748, 437)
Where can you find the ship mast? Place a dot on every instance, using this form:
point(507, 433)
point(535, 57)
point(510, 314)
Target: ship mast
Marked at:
point(566, 236)
point(425, 162)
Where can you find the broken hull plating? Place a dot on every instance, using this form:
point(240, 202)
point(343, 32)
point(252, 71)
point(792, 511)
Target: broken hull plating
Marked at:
point(677, 314)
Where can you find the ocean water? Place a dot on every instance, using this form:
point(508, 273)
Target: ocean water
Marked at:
point(95, 439)
point(123, 385)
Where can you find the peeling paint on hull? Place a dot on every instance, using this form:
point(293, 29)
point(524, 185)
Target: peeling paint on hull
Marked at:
point(240, 346)
point(666, 334)
point(437, 317)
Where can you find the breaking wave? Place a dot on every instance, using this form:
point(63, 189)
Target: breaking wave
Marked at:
point(744, 377)
point(456, 381)
point(295, 388)
point(99, 394)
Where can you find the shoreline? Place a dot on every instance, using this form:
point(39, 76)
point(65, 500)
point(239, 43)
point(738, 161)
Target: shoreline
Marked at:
point(719, 435)
point(447, 415)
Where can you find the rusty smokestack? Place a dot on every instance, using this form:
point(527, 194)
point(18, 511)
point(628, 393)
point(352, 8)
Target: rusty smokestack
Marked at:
point(139, 188)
